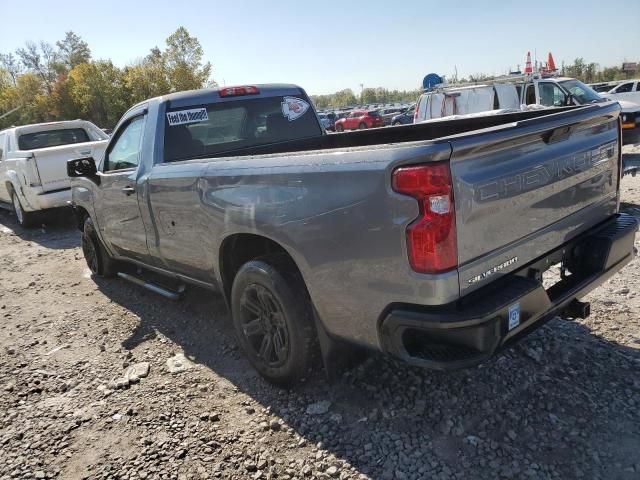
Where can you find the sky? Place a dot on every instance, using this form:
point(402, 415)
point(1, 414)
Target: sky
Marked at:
point(325, 46)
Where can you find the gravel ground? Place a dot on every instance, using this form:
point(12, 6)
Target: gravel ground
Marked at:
point(564, 403)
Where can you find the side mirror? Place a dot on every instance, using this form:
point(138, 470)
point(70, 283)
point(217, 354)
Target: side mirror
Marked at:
point(83, 167)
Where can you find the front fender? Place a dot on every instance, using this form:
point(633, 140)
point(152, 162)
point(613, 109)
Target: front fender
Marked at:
point(82, 196)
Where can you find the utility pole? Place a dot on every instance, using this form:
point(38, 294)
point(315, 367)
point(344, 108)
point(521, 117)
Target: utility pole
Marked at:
point(362, 93)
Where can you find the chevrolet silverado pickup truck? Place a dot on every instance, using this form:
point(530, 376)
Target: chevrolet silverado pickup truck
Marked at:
point(33, 164)
point(428, 242)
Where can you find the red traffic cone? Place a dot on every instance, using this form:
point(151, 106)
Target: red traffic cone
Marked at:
point(527, 66)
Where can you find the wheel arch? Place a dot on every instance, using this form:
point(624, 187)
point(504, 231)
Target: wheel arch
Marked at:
point(81, 214)
point(240, 248)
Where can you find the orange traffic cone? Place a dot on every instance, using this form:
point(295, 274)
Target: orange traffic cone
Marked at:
point(551, 65)
point(527, 65)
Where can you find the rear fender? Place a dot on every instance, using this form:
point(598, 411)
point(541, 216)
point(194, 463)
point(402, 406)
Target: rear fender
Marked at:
point(14, 185)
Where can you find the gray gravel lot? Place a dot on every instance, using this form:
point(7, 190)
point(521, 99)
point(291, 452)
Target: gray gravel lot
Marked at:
point(564, 403)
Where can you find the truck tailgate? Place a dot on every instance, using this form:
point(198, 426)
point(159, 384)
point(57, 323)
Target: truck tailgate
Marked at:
point(52, 162)
point(528, 187)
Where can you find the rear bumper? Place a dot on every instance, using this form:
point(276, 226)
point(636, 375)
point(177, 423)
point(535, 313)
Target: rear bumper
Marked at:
point(472, 330)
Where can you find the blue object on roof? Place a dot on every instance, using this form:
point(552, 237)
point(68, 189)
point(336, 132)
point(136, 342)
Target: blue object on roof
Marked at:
point(431, 80)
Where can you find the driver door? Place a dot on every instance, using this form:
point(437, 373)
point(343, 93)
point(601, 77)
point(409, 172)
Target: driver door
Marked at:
point(118, 212)
point(551, 95)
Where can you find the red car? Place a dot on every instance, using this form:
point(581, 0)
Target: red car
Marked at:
point(359, 119)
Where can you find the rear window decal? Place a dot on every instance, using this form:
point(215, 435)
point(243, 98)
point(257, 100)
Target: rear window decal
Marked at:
point(182, 117)
point(293, 108)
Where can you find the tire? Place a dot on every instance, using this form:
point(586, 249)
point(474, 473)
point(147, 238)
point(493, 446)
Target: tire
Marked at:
point(273, 319)
point(362, 126)
point(396, 124)
point(97, 258)
point(25, 219)
point(339, 128)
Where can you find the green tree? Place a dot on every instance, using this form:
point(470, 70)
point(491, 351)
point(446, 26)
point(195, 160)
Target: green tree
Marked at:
point(73, 51)
point(148, 78)
point(98, 89)
point(368, 96)
point(183, 61)
point(40, 59)
point(11, 65)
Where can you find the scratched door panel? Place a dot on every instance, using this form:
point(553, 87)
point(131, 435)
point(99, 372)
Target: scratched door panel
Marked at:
point(529, 189)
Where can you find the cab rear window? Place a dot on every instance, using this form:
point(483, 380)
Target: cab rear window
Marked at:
point(52, 138)
point(234, 125)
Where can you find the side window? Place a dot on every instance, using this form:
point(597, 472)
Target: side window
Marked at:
point(625, 88)
point(530, 98)
point(124, 152)
point(551, 95)
point(638, 87)
point(2, 137)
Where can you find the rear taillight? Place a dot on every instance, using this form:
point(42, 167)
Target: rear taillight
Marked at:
point(238, 91)
point(431, 238)
point(32, 173)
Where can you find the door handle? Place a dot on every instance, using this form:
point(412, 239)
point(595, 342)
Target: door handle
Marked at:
point(128, 190)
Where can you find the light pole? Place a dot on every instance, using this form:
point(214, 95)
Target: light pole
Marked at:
point(361, 93)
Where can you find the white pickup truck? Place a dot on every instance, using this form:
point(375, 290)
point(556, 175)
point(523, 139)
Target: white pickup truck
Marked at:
point(33, 164)
point(627, 91)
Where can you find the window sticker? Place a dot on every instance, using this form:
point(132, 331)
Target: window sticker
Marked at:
point(293, 108)
point(182, 117)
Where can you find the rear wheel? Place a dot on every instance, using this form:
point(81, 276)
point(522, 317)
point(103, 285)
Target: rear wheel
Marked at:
point(25, 219)
point(97, 258)
point(273, 319)
point(339, 128)
point(362, 126)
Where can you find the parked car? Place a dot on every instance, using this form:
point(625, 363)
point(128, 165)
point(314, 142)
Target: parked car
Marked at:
point(33, 164)
point(359, 119)
point(427, 242)
point(627, 91)
point(387, 114)
point(332, 116)
point(404, 118)
point(324, 120)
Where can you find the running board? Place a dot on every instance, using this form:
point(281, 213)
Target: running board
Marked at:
point(165, 292)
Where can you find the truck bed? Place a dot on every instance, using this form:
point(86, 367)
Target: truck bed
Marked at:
point(406, 133)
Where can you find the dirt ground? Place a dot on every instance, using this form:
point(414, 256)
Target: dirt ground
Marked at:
point(564, 403)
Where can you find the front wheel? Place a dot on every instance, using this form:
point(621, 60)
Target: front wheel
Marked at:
point(396, 124)
point(97, 258)
point(25, 219)
point(339, 128)
point(273, 319)
point(362, 126)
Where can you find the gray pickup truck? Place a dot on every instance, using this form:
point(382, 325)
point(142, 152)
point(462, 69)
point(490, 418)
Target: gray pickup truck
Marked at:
point(427, 242)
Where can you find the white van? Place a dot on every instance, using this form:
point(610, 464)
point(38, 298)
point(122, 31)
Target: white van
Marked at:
point(449, 101)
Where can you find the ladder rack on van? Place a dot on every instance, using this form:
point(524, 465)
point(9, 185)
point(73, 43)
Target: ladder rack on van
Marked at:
point(440, 88)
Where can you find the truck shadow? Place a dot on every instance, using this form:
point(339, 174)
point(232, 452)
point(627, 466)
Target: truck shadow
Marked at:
point(57, 231)
point(537, 410)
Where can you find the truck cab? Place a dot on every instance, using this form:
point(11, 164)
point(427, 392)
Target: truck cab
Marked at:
point(561, 91)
